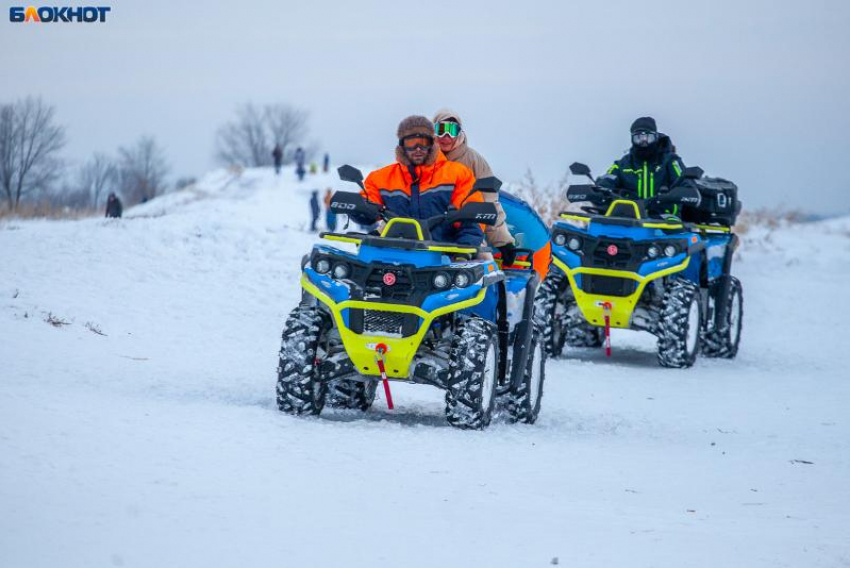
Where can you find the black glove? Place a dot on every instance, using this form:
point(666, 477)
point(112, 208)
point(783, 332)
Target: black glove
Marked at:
point(508, 254)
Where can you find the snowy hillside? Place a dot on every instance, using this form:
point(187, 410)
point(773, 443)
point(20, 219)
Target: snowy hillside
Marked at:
point(139, 429)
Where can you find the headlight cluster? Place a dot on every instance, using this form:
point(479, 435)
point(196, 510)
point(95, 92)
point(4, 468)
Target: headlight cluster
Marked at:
point(459, 279)
point(339, 270)
point(572, 242)
point(655, 250)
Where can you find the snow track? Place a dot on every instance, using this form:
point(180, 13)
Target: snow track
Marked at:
point(159, 443)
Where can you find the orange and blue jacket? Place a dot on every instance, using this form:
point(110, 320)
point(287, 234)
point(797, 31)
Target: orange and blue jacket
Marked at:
point(420, 192)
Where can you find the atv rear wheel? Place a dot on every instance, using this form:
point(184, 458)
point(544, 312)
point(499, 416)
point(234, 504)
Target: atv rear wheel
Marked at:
point(473, 374)
point(550, 311)
point(298, 389)
point(352, 395)
point(523, 402)
point(724, 342)
point(679, 326)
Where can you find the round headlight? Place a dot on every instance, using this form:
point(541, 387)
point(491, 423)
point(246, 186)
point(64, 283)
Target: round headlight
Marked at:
point(670, 250)
point(441, 280)
point(462, 280)
point(560, 239)
point(653, 251)
point(323, 266)
point(574, 243)
point(341, 271)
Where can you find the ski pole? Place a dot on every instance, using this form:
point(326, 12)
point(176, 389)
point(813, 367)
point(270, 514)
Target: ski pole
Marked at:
point(380, 349)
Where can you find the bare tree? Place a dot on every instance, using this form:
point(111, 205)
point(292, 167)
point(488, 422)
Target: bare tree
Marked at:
point(142, 169)
point(287, 127)
point(29, 143)
point(249, 139)
point(96, 175)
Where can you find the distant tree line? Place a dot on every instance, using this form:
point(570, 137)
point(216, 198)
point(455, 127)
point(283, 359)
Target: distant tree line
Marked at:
point(33, 171)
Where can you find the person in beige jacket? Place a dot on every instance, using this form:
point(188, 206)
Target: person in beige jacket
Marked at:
point(452, 141)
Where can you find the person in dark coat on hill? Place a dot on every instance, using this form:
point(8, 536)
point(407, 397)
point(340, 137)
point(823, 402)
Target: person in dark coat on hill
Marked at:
point(326, 163)
point(314, 209)
point(650, 165)
point(277, 154)
point(299, 163)
point(113, 206)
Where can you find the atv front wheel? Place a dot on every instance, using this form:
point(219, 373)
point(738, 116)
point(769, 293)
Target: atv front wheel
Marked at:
point(724, 342)
point(352, 395)
point(523, 402)
point(679, 327)
point(298, 389)
point(561, 320)
point(473, 374)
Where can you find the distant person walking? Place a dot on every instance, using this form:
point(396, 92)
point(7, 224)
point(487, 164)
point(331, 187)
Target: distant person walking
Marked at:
point(326, 163)
point(314, 209)
point(277, 154)
point(314, 168)
point(299, 163)
point(113, 206)
point(330, 216)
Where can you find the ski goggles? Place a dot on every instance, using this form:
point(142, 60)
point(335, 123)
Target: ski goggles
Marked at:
point(644, 138)
point(416, 141)
point(447, 128)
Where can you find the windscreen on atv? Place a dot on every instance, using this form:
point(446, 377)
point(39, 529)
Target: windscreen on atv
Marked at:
point(525, 225)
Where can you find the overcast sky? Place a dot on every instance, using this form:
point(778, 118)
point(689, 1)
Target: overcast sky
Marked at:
point(758, 91)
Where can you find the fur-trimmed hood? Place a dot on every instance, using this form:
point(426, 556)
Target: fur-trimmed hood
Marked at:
point(411, 126)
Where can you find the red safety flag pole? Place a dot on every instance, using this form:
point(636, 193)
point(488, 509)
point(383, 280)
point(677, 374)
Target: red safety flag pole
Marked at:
point(606, 310)
point(380, 349)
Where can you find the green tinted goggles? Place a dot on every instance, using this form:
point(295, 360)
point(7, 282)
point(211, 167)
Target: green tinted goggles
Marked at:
point(448, 128)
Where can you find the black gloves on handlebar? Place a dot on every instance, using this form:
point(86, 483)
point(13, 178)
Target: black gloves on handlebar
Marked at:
point(508, 254)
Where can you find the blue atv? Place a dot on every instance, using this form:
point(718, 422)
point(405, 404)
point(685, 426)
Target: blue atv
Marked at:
point(630, 263)
point(401, 307)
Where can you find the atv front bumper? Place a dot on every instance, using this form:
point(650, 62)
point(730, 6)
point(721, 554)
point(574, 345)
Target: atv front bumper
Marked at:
point(400, 351)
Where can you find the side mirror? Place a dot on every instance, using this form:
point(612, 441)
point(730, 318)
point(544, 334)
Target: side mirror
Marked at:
point(350, 203)
point(583, 192)
point(683, 195)
point(484, 213)
point(350, 173)
point(487, 185)
point(579, 169)
point(694, 172)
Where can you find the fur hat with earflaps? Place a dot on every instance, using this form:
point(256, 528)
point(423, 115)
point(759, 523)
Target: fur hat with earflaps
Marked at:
point(416, 125)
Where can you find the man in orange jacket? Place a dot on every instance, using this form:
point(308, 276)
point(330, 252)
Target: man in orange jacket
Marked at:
point(423, 184)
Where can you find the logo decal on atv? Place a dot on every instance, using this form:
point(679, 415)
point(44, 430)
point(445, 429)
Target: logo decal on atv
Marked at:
point(613, 250)
point(484, 216)
point(389, 278)
point(343, 206)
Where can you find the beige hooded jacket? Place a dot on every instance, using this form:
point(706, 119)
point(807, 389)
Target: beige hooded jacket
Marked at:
point(498, 234)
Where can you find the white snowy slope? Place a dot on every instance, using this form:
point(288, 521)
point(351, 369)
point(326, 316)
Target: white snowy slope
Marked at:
point(159, 443)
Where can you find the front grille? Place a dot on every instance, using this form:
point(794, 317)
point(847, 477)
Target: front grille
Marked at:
point(401, 290)
point(607, 285)
point(383, 323)
point(601, 256)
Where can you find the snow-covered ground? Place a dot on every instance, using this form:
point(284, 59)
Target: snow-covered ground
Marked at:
point(144, 432)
